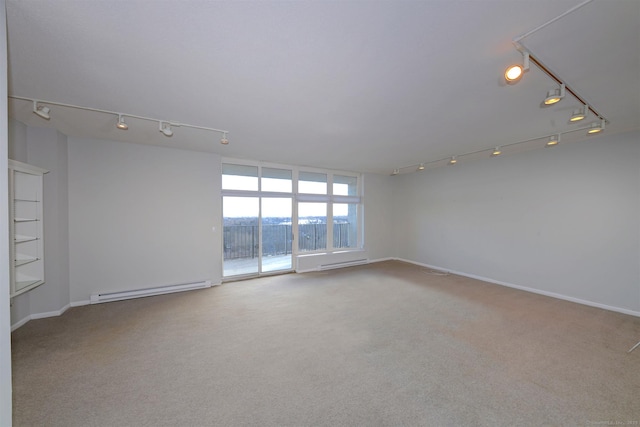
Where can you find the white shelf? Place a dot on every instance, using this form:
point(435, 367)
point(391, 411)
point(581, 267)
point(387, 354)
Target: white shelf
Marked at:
point(26, 227)
point(18, 238)
point(23, 259)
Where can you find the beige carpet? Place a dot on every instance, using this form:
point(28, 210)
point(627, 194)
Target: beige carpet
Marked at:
point(384, 344)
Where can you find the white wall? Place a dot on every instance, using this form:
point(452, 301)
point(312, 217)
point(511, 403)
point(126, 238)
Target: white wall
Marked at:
point(5, 327)
point(47, 149)
point(141, 216)
point(17, 141)
point(379, 221)
point(563, 221)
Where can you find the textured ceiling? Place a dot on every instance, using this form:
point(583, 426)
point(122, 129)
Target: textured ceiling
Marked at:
point(353, 85)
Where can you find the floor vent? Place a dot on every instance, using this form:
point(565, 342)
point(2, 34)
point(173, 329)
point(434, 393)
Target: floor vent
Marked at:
point(342, 264)
point(140, 293)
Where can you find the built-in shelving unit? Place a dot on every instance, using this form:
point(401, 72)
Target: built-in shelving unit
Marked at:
point(26, 226)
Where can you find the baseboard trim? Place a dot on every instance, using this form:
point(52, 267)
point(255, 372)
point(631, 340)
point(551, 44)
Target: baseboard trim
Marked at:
point(44, 315)
point(371, 261)
point(80, 303)
point(527, 289)
point(19, 323)
point(56, 313)
point(50, 313)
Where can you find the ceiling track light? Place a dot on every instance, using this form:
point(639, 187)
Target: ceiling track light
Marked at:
point(554, 96)
point(514, 73)
point(421, 167)
point(496, 152)
point(578, 115)
point(41, 110)
point(596, 127)
point(553, 141)
point(453, 160)
point(121, 124)
point(165, 128)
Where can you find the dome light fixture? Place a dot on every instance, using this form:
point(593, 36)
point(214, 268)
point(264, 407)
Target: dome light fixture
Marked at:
point(224, 140)
point(121, 124)
point(395, 172)
point(496, 152)
point(453, 160)
point(555, 95)
point(514, 73)
point(421, 167)
point(41, 110)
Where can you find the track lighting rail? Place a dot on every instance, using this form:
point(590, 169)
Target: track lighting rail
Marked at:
point(120, 117)
point(568, 89)
point(451, 160)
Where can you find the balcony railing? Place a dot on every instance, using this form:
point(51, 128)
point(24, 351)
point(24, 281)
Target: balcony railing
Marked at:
point(241, 241)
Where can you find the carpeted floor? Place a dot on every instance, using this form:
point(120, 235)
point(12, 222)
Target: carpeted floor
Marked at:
point(384, 344)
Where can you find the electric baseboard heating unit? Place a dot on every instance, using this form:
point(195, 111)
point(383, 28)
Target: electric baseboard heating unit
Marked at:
point(342, 264)
point(332, 260)
point(140, 293)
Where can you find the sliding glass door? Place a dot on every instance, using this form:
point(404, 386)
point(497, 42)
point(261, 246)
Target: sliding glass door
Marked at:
point(241, 235)
point(257, 207)
point(257, 235)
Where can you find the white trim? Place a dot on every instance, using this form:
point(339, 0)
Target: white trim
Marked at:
point(371, 261)
point(20, 323)
point(50, 313)
point(80, 303)
point(528, 289)
point(56, 313)
point(44, 315)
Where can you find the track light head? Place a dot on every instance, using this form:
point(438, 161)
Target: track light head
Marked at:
point(514, 73)
point(555, 95)
point(165, 128)
point(453, 160)
point(224, 140)
point(578, 115)
point(121, 124)
point(553, 141)
point(496, 152)
point(596, 128)
point(41, 110)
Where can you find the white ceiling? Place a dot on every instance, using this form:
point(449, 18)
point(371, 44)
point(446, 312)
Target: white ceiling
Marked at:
point(352, 85)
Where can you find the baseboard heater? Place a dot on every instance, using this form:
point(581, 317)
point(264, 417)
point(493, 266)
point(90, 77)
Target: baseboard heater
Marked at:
point(140, 293)
point(342, 264)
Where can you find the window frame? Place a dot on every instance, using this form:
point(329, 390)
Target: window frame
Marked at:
point(329, 198)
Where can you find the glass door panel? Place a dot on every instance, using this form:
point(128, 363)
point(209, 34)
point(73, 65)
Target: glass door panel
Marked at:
point(276, 234)
point(241, 235)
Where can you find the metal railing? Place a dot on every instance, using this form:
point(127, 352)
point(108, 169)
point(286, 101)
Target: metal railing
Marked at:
point(241, 241)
